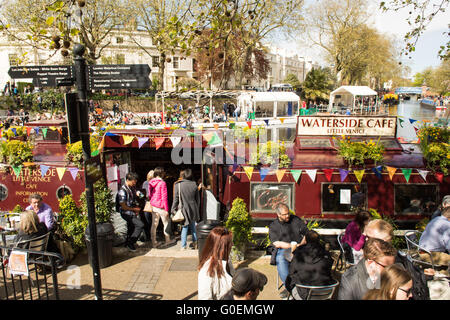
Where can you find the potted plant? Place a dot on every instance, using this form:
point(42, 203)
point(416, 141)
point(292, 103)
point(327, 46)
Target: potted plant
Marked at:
point(16, 152)
point(72, 222)
point(270, 153)
point(104, 206)
point(75, 151)
point(434, 144)
point(239, 222)
point(359, 152)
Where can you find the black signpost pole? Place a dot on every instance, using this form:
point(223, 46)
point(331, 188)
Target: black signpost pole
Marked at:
point(81, 83)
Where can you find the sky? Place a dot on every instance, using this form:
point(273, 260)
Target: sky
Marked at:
point(395, 23)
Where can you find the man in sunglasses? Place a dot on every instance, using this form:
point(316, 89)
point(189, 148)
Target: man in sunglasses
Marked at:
point(362, 277)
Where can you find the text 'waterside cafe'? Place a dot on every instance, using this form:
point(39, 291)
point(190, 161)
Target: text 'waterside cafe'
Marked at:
point(320, 184)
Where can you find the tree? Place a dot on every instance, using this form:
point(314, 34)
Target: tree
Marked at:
point(318, 84)
point(293, 81)
point(421, 13)
point(424, 77)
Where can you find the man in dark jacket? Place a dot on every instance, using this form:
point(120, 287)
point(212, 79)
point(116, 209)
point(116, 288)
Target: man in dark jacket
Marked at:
point(311, 265)
point(286, 233)
point(365, 275)
point(187, 190)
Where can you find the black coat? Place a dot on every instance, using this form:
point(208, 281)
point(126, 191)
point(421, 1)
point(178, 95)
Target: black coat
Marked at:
point(22, 236)
point(190, 200)
point(311, 265)
point(355, 282)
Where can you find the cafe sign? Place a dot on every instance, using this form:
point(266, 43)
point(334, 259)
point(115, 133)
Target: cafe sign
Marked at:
point(346, 125)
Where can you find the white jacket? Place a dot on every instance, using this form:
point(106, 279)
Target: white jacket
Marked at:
point(214, 288)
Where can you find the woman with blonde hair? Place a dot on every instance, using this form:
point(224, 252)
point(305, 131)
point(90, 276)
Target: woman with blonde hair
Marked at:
point(215, 268)
point(30, 227)
point(395, 284)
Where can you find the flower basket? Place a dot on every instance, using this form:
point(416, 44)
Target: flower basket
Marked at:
point(360, 153)
point(434, 144)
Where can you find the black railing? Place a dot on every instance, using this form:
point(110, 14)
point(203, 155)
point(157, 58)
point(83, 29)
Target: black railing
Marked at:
point(42, 266)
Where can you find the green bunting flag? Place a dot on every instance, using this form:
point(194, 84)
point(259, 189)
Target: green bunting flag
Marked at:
point(296, 174)
point(17, 170)
point(44, 132)
point(215, 140)
point(407, 174)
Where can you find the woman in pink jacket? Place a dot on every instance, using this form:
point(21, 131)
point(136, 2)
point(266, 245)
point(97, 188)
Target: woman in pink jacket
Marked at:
point(157, 191)
point(354, 234)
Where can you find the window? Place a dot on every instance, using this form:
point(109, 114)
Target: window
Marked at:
point(306, 143)
point(265, 196)
point(175, 62)
point(63, 191)
point(13, 59)
point(119, 40)
point(3, 192)
point(155, 61)
point(341, 197)
point(120, 58)
point(288, 108)
point(194, 66)
point(286, 134)
point(416, 198)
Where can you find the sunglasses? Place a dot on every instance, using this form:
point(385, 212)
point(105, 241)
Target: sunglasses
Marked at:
point(408, 292)
point(380, 264)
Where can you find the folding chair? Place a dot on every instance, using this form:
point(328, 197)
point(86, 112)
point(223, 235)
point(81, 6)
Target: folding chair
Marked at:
point(341, 262)
point(414, 249)
point(318, 292)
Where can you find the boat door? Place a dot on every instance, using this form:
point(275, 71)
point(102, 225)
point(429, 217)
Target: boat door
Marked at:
point(210, 204)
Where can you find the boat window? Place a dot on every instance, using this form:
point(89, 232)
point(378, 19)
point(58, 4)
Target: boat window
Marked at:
point(286, 108)
point(306, 143)
point(63, 191)
point(416, 198)
point(3, 192)
point(343, 197)
point(286, 134)
point(264, 109)
point(265, 196)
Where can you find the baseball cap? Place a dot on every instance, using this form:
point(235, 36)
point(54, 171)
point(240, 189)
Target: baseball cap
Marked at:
point(248, 279)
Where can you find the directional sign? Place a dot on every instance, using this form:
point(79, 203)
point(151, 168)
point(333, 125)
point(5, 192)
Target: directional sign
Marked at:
point(117, 70)
point(47, 81)
point(119, 83)
point(28, 72)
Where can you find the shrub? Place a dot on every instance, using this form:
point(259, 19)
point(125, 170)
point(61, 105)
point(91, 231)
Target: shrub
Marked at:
point(16, 152)
point(104, 202)
point(239, 222)
point(357, 152)
point(17, 209)
point(75, 151)
point(434, 143)
point(72, 221)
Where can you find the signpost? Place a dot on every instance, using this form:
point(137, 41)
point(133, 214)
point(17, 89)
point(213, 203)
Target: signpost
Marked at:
point(119, 76)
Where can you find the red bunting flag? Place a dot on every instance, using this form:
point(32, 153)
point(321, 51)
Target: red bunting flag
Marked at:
point(249, 123)
point(159, 142)
point(328, 173)
point(28, 131)
point(439, 176)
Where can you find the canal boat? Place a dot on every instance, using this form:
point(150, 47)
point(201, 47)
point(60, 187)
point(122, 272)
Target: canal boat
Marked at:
point(432, 104)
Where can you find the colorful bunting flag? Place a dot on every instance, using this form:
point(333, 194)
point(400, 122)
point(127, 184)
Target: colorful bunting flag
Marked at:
point(95, 153)
point(401, 122)
point(359, 174)
point(412, 121)
point(296, 174)
point(249, 123)
point(282, 120)
point(215, 141)
point(263, 172)
point(60, 172)
point(312, 174)
point(101, 144)
point(175, 141)
point(14, 130)
point(343, 173)
point(407, 174)
point(391, 171)
point(127, 139)
point(266, 121)
point(216, 126)
point(280, 174)
point(44, 132)
point(141, 141)
point(36, 130)
point(44, 169)
point(29, 130)
point(423, 174)
point(328, 173)
point(17, 170)
point(235, 166)
point(249, 172)
point(439, 176)
point(159, 142)
point(74, 172)
point(109, 134)
point(377, 171)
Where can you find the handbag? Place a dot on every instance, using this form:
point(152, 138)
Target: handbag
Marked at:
point(148, 207)
point(178, 216)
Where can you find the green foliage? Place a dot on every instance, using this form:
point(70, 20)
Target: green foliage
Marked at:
point(293, 81)
point(397, 241)
point(318, 84)
point(20, 132)
point(420, 226)
point(314, 224)
point(240, 222)
point(75, 151)
point(104, 202)
point(356, 152)
point(16, 152)
point(73, 222)
point(271, 153)
point(17, 209)
point(434, 143)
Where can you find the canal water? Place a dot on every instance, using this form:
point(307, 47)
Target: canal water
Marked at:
point(411, 109)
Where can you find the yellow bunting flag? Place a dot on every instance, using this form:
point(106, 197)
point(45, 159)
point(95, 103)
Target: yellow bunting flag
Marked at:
point(391, 171)
point(282, 120)
point(280, 174)
point(60, 172)
point(216, 126)
point(200, 127)
point(249, 172)
point(127, 139)
point(53, 128)
point(359, 174)
point(101, 144)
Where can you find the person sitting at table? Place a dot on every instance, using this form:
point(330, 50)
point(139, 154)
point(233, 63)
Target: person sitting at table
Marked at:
point(43, 211)
point(354, 236)
point(29, 227)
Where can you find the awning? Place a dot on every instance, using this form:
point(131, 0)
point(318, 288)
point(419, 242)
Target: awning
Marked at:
point(348, 94)
point(269, 96)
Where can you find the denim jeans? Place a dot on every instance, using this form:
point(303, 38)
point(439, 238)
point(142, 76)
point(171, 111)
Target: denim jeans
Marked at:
point(184, 233)
point(282, 265)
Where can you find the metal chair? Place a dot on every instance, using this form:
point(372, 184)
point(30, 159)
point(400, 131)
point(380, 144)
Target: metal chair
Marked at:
point(414, 249)
point(341, 262)
point(35, 244)
point(318, 292)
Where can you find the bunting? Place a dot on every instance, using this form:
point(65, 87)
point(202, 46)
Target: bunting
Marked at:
point(101, 144)
point(439, 176)
point(407, 174)
point(17, 170)
point(423, 174)
point(44, 169)
point(142, 141)
point(249, 123)
point(36, 130)
point(377, 171)
point(312, 174)
point(95, 153)
point(359, 174)
point(60, 172)
point(266, 122)
point(14, 130)
point(159, 142)
point(109, 134)
point(391, 171)
point(328, 173)
point(44, 132)
point(344, 174)
point(412, 121)
point(263, 173)
point(296, 174)
point(127, 139)
point(175, 141)
point(401, 122)
point(249, 172)
point(74, 172)
point(216, 126)
point(215, 141)
point(280, 174)
point(282, 120)
point(29, 130)
point(235, 166)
